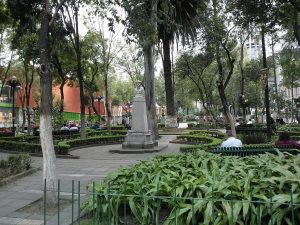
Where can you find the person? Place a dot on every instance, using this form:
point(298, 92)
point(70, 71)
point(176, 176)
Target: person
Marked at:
point(284, 139)
point(250, 122)
point(64, 127)
point(237, 123)
point(273, 125)
point(74, 128)
point(96, 125)
point(231, 141)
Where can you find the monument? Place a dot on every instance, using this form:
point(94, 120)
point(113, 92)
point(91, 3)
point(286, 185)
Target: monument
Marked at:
point(139, 139)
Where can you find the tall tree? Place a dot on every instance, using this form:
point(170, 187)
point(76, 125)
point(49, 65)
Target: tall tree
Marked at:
point(26, 15)
point(70, 11)
point(141, 23)
point(174, 18)
point(290, 63)
point(220, 37)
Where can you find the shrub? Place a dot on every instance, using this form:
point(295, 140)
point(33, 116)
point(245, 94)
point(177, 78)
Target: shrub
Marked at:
point(161, 125)
point(14, 164)
point(254, 138)
point(91, 141)
point(232, 189)
point(29, 147)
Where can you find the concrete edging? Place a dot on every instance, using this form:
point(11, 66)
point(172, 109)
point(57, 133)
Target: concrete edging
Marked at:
point(19, 175)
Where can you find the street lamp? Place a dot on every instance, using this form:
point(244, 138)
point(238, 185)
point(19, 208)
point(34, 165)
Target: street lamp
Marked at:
point(99, 98)
point(13, 83)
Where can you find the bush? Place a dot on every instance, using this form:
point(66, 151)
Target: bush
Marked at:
point(64, 143)
point(191, 125)
point(232, 189)
point(161, 125)
point(14, 164)
point(91, 141)
point(208, 140)
point(29, 147)
point(254, 138)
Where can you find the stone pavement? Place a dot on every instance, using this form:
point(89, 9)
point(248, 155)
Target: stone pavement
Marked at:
point(94, 164)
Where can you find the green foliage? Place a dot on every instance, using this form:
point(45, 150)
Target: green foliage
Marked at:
point(62, 142)
point(14, 164)
point(204, 140)
point(225, 190)
point(254, 138)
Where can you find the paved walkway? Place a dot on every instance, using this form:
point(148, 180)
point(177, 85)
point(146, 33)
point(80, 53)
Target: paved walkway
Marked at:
point(94, 164)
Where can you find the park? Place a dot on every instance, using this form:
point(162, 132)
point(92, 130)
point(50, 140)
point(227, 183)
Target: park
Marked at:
point(165, 112)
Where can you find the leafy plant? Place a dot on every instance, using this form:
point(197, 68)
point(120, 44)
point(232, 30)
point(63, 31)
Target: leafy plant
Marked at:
point(204, 189)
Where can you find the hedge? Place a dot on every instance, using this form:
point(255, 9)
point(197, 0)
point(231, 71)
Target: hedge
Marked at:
point(14, 164)
point(211, 133)
point(204, 147)
point(30, 148)
point(195, 139)
point(92, 140)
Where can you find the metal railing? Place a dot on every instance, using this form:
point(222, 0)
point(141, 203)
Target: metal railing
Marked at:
point(110, 207)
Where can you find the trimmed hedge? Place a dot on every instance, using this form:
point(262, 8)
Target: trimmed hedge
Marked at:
point(30, 148)
point(195, 139)
point(209, 140)
point(14, 164)
point(211, 133)
point(92, 140)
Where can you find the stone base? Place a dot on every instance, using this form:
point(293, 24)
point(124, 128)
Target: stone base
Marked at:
point(138, 140)
point(171, 122)
point(139, 151)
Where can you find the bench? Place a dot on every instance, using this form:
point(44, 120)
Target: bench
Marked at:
point(250, 150)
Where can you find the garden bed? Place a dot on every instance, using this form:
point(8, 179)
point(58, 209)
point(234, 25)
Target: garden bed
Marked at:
point(203, 189)
point(14, 164)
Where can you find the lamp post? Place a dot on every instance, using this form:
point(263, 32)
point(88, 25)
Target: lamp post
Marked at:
point(13, 83)
point(99, 98)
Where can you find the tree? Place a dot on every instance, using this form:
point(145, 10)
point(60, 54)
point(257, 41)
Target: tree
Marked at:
point(28, 54)
point(174, 18)
point(195, 68)
point(63, 58)
point(26, 15)
point(69, 12)
point(221, 39)
point(290, 63)
point(141, 22)
point(260, 13)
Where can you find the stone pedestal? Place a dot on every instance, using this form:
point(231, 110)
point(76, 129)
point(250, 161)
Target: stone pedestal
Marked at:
point(138, 140)
point(139, 137)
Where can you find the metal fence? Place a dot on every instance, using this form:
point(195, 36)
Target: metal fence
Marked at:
point(111, 208)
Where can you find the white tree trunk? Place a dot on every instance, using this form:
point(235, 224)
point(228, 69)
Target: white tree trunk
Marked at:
point(49, 159)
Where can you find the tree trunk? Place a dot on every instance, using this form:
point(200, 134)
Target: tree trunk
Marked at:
point(296, 27)
point(80, 78)
point(267, 102)
point(49, 159)
point(62, 96)
point(107, 105)
point(149, 89)
point(241, 64)
point(171, 118)
point(275, 79)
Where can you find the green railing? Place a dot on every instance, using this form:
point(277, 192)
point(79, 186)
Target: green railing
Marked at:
point(111, 208)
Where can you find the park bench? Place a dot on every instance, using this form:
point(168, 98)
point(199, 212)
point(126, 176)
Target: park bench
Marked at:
point(250, 150)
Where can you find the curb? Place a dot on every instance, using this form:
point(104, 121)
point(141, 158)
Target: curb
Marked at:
point(40, 155)
point(19, 175)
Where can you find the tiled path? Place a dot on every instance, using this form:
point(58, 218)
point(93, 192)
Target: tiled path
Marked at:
point(94, 164)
